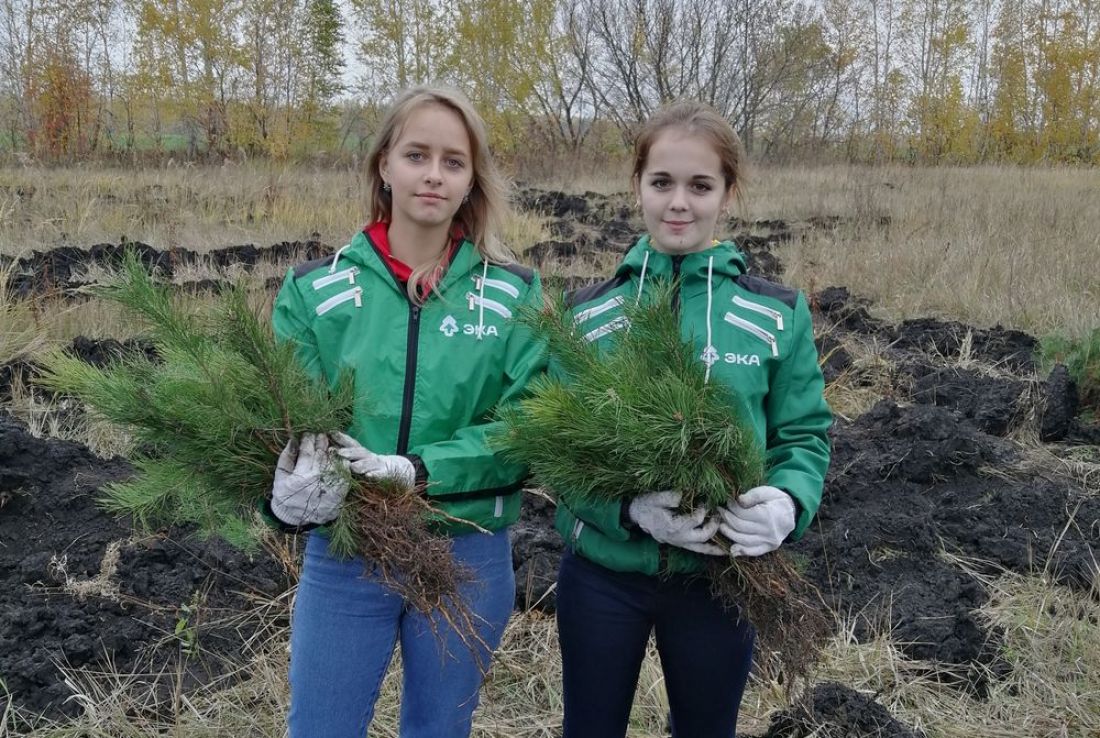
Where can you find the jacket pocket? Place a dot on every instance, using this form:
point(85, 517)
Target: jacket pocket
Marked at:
point(754, 330)
point(617, 324)
point(600, 309)
point(340, 276)
point(355, 293)
point(496, 307)
point(760, 309)
point(496, 284)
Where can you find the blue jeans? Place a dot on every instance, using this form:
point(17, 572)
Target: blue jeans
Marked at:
point(604, 621)
point(344, 629)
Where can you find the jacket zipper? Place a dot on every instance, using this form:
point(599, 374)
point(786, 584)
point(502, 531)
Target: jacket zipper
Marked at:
point(498, 285)
point(473, 299)
point(758, 308)
point(620, 322)
point(411, 345)
point(603, 307)
point(325, 281)
point(355, 293)
point(755, 330)
point(676, 262)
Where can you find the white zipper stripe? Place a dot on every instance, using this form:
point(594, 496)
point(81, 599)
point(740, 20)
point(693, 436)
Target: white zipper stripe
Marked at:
point(355, 293)
point(325, 281)
point(488, 304)
point(603, 330)
point(603, 307)
point(762, 309)
point(755, 330)
point(497, 284)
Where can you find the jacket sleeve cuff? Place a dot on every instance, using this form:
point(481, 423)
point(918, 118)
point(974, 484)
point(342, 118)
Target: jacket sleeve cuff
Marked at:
point(420, 481)
point(275, 522)
point(625, 520)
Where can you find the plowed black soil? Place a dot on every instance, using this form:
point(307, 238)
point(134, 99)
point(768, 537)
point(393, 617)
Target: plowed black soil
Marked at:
point(53, 539)
point(60, 270)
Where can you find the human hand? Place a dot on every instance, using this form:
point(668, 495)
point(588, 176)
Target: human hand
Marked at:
point(309, 486)
point(758, 521)
point(656, 514)
point(364, 462)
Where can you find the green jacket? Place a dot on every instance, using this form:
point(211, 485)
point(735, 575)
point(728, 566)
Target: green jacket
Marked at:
point(762, 346)
point(431, 375)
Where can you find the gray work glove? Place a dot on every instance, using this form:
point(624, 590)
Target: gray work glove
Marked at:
point(656, 514)
point(366, 463)
point(758, 521)
point(309, 484)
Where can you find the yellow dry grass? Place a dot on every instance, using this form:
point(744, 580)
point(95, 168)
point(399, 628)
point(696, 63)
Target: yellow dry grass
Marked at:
point(984, 244)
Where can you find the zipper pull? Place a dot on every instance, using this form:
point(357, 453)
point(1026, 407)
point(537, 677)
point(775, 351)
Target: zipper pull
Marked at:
point(358, 297)
point(351, 274)
point(470, 300)
point(477, 283)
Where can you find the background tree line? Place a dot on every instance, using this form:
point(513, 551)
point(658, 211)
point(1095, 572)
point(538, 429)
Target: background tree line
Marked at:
point(862, 80)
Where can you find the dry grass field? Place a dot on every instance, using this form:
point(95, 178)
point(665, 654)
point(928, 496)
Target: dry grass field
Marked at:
point(983, 245)
point(986, 246)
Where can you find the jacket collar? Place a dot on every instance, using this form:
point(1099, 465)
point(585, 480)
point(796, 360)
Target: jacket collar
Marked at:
point(728, 262)
point(364, 254)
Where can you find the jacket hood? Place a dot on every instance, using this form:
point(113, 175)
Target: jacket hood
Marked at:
point(723, 259)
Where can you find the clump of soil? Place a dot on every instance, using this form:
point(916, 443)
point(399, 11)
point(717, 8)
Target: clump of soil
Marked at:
point(835, 711)
point(536, 554)
point(76, 586)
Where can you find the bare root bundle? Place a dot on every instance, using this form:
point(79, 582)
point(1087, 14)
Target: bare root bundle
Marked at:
point(389, 527)
point(787, 610)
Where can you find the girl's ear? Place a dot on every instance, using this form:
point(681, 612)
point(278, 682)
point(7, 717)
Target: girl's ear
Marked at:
point(383, 165)
point(731, 195)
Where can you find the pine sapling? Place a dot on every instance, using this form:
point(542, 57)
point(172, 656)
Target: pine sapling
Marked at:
point(606, 426)
point(211, 415)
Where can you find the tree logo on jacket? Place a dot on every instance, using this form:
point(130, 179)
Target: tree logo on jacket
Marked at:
point(449, 326)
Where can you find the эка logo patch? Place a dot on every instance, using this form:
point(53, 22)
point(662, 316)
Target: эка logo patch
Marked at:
point(449, 326)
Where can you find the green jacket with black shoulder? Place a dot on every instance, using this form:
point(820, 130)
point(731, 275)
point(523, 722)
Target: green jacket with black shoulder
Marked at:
point(757, 337)
point(431, 375)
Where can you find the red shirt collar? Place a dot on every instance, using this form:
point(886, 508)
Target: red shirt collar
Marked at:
point(378, 233)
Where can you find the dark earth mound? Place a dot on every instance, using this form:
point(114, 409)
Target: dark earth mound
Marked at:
point(57, 607)
point(60, 269)
point(97, 352)
point(835, 711)
point(910, 484)
point(589, 231)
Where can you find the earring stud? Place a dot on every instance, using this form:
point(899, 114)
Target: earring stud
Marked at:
point(386, 186)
